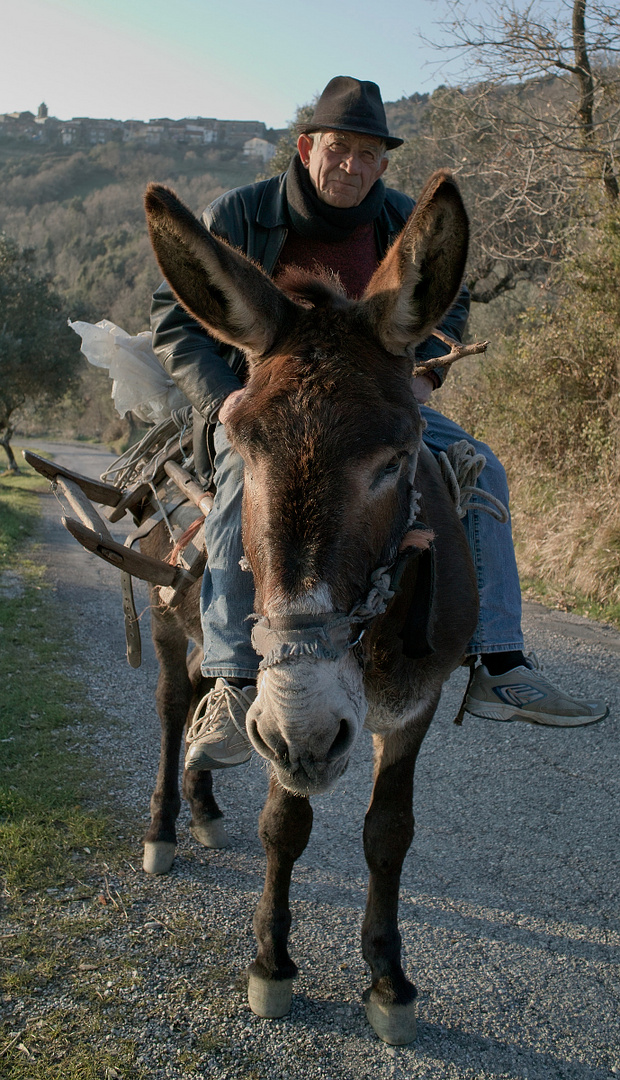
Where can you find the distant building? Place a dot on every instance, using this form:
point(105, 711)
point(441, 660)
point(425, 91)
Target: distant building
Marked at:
point(237, 132)
point(200, 133)
point(22, 117)
point(260, 149)
point(84, 131)
point(18, 124)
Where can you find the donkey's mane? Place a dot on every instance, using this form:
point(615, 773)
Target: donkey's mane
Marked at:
point(317, 289)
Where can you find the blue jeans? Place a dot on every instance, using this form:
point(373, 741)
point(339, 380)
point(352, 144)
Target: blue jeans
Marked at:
point(492, 549)
point(227, 597)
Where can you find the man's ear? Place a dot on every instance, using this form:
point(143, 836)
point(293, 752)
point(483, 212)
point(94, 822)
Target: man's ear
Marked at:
point(304, 147)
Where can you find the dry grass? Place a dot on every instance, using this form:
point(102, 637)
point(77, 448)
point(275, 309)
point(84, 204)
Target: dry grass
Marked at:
point(568, 544)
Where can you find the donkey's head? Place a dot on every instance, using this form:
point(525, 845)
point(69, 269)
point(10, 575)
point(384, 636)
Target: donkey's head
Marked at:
point(329, 432)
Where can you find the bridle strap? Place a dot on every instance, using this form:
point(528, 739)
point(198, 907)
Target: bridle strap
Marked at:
point(331, 635)
point(293, 637)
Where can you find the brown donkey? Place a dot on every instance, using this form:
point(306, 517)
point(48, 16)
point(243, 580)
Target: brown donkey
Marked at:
point(337, 483)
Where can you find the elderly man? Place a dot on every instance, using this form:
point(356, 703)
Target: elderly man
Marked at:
point(331, 209)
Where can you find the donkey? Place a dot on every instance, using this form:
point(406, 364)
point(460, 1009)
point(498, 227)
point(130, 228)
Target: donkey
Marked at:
point(337, 483)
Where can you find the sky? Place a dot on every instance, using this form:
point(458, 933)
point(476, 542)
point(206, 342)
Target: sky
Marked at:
point(230, 59)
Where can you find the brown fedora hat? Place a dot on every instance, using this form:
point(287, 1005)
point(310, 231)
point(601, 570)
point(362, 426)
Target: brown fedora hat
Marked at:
point(348, 104)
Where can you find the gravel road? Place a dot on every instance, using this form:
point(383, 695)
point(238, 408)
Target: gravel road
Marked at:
point(509, 900)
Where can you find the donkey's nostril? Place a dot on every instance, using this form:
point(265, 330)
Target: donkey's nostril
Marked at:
point(271, 745)
point(342, 742)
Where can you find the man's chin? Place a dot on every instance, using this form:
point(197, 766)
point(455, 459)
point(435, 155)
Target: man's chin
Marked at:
point(342, 200)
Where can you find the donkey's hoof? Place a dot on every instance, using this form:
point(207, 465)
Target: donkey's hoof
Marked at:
point(211, 833)
point(268, 998)
point(158, 856)
point(394, 1024)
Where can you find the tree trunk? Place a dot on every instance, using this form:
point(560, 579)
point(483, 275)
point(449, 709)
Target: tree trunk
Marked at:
point(584, 72)
point(610, 183)
point(585, 110)
point(6, 435)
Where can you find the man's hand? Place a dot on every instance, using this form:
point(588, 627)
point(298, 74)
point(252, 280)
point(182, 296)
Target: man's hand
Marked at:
point(229, 404)
point(423, 387)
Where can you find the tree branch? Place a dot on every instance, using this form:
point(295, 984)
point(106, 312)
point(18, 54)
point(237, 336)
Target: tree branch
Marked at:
point(457, 352)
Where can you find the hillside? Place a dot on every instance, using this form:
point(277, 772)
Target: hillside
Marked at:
point(80, 207)
point(82, 212)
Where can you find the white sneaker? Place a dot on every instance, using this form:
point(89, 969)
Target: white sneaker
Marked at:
point(216, 737)
point(525, 694)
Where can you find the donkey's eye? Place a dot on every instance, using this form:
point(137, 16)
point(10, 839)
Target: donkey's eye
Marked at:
point(392, 466)
point(386, 471)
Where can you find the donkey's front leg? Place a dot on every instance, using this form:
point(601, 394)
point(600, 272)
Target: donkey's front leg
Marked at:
point(284, 828)
point(388, 832)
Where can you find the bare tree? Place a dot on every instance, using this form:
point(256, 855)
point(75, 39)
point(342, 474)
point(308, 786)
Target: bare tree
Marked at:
point(530, 135)
point(522, 205)
point(550, 38)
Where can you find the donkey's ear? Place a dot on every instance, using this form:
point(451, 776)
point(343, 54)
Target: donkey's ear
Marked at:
point(421, 274)
point(229, 295)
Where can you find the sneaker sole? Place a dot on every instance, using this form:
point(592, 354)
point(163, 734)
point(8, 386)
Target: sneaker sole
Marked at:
point(506, 714)
point(204, 763)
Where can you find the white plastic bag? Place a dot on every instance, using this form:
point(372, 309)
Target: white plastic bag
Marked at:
point(140, 384)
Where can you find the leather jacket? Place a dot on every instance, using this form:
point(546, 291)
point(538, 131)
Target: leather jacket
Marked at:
point(255, 219)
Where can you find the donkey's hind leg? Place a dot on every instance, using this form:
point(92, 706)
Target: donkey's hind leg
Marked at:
point(388, 832)
point(284, 828)
point(176, 686)
point(173, 696)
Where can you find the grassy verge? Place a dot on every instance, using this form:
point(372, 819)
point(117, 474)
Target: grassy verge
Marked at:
point(52, 847)
point(100, 976)
point(566, 522)
point(41, 771)
point(567, 541)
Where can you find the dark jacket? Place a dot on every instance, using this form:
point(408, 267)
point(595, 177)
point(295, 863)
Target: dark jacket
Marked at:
point(254, 219)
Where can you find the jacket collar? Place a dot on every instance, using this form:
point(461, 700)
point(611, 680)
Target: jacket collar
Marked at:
point(272, 210)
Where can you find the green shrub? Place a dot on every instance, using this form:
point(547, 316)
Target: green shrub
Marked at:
point(549, 391)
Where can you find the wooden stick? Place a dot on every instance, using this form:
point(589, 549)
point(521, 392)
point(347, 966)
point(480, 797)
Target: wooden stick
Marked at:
point(457, 352)
point(93, 489)
point(189, 487)
point(133, 562)
point(82, 505)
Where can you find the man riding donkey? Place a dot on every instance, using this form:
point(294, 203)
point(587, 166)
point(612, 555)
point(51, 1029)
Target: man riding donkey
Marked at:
point(331, 211)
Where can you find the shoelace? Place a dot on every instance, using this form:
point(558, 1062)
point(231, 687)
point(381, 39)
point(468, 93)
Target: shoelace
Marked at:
point(204, 724)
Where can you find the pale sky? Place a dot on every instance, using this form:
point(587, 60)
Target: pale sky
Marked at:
point(231, 59)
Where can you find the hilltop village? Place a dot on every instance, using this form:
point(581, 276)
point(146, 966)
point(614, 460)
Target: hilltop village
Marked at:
point(251, 137)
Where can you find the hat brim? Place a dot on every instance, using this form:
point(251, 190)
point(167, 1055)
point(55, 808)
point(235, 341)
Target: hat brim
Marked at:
point(391, 142)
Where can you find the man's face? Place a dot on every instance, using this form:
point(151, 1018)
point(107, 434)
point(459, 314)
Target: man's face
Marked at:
point(343, 167)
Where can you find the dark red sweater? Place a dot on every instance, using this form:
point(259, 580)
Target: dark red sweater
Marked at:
point(354, 259)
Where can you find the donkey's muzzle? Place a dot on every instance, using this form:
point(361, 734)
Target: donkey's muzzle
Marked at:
point(305, 721)
point(271, 744)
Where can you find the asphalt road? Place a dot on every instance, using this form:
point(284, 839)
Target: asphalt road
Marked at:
point(509, 902)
